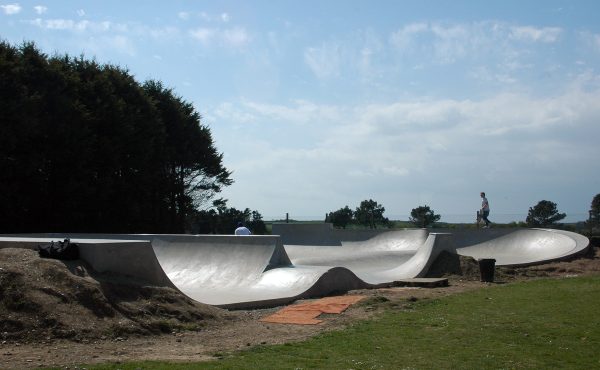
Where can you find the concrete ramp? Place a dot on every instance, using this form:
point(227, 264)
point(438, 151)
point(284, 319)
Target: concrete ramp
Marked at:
point(221, 270)
point(261, 271)
point(132, 257)
point(520, 246)
point(241, 271)
point(381, 260)
point(385, 249)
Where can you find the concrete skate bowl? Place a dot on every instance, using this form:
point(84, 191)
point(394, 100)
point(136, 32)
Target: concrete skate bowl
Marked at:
point(513, 247)
point(377, 257)
point(260, 271)
point(245, 272)
point(221, 270)
point(508, 246)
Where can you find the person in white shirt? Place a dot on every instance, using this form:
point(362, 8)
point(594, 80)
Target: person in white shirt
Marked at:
point(242, 230)
point(485, 209)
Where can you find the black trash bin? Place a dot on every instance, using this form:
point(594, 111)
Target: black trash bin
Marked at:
point(486, 268)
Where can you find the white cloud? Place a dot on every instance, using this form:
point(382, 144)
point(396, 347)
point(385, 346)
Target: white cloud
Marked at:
point(61, 24)
point(40, 9)
point(333, 153)
point(590, 40)
point(123, 44)
point(597, 41)
point(486, 75)
point(228, 112)
point(223, 17)
point(204, 35)
point(11, 9)
point(301, 112)
point(204, 16)
point(445, 43)
point(528, 33)
point(236, 37)
point(77, 26)
point(440, 43)
point(98, 44)
point(184, 15)
point(233, 37)
point(369, 58)
point(324, 61)
point(403, 38)
point(164, 33)
point(452, 43)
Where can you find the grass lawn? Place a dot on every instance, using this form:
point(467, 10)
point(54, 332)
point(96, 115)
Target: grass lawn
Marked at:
point(542, 324)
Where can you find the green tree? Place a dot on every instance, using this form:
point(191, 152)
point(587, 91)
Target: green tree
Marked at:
point(220, 219)
point(340, 218)
point(544, 214)
point(85, 148)
point(423, 216)
point(191, 164)
point(257, 225)
point(370, 214)
point(595, 209)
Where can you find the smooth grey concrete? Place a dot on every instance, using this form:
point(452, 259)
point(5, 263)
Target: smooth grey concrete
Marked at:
point(520, 246)
point(105, 254)
point(509, 246)
point(222, 270)
point(260, 271)
point(385, 258)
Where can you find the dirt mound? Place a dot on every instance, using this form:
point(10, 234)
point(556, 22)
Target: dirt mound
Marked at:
point(451, 264)
point(42, 299)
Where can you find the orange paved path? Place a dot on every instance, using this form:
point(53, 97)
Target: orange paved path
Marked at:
point(307, 313)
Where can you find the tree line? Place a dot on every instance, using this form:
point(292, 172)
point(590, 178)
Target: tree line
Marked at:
point(84, 147)
point(370, 214)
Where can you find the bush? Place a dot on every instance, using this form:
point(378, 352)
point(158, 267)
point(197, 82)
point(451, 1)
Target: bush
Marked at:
point(544, 214)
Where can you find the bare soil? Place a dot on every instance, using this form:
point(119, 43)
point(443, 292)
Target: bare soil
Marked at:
point(62, 313)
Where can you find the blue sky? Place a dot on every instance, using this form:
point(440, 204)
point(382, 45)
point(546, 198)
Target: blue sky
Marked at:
point(321, 104)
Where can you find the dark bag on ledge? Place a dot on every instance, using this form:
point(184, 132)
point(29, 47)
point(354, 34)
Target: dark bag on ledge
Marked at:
point(64, 250)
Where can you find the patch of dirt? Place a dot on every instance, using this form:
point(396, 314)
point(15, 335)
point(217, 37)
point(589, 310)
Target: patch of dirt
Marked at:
point(62, 313)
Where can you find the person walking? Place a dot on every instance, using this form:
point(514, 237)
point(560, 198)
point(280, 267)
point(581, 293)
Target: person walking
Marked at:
point(242, 230)
point(485, 210)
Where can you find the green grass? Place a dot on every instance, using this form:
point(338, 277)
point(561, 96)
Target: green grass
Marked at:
point(543, 324)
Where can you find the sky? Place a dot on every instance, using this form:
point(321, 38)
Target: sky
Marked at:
point(317, 105)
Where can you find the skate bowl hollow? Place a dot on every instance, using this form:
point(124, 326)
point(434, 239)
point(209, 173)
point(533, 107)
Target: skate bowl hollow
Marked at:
point(222, 270)
point(302, 261)
point(244, 271)
point(520, 246)
point(508, 246)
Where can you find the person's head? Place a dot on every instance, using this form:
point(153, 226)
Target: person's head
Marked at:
point(482, 194)
point(240, 224)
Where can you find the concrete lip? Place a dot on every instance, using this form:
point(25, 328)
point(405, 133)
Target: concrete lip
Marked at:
point(301, 262)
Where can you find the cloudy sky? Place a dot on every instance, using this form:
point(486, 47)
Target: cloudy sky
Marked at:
point(321, 104)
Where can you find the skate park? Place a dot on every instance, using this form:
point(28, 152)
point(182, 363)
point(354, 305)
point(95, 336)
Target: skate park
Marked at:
point(300, 260)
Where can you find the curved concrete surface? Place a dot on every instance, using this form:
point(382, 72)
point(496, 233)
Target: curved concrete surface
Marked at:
point(509, 246)
point(382, 259)
point(522, 246)
point(242, 271)
point(259, 271)
point(234, 271)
